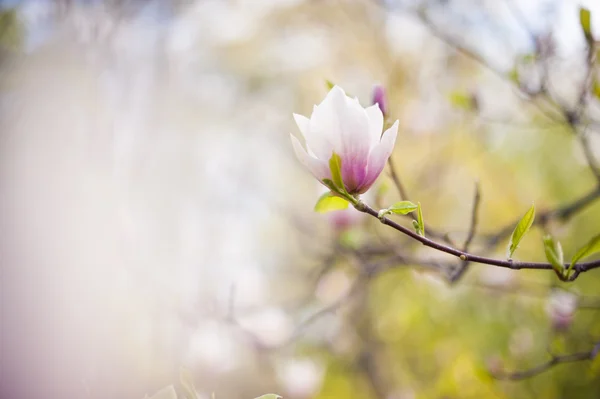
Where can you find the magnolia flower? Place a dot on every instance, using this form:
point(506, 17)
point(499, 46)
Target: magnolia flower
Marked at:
point(342, 126)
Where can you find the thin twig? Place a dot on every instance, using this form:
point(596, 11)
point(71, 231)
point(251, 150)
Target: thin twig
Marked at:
point(464, 264)
point(555, 360)
point(571, 119)
point(590, 58)
point(474, 218)
point(509, 264)
point(562, 213)
point(589, 156)
point(435, 31)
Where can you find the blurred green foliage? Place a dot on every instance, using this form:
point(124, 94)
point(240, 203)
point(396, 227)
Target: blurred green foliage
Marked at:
point(11, 30)
point(423, 337)
point(440, 341)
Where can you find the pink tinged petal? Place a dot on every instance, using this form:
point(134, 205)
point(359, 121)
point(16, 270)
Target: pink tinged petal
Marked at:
point(353, 174)
point(354, 122)
point(356, 144)
point(318, 168)
point(346, 121)
point(378, 157)
point(339, 124)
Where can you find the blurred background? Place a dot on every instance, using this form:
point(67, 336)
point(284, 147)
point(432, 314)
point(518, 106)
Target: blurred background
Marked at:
point(157, 229)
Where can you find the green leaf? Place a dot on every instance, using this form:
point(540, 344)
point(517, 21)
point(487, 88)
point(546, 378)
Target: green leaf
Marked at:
point(165, 393)
point(554, 253)
point(399, 208)
point(420, 220)
point(330, 85)
point(402, 207)
point(12, 30)
point(187, 382)
point(335, 166)
point(269, 396)
point(417, 227)
point(520, 230)
point(329, 202)
point(588, 249)
point(585, 20)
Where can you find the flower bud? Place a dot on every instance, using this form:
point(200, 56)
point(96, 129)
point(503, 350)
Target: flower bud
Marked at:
point(344, 219)
point(495, 365)
point(561, 309)
point(342, 126)
point(380, 98)
point(301, 377)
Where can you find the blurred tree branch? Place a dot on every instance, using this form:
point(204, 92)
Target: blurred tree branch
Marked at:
point(554, 361)
point(561, 115)
point(464, 264)
point(465, 256)
point(562, 213)
point(396, 180)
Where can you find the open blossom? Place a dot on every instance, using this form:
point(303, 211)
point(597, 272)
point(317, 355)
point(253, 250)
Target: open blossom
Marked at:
point(341, 125)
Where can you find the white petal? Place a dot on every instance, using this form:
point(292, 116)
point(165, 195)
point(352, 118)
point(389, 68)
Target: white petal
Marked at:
point(382, 151)
point(303, 123)
point(325, 134)
point(318, 168)
point(375, 123)
point(356, 143)
point(340, 124)
point(389, 138)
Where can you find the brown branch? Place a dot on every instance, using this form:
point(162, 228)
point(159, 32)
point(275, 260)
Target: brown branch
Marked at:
point(590, 58)
point(571, 118)
point(465, 256)
point(555, 360)
point(562, 213)
point(435, 31)
point(464, 264)
point(367, 364)
point(589, 156)
point(404, 196)
point(474, 218)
